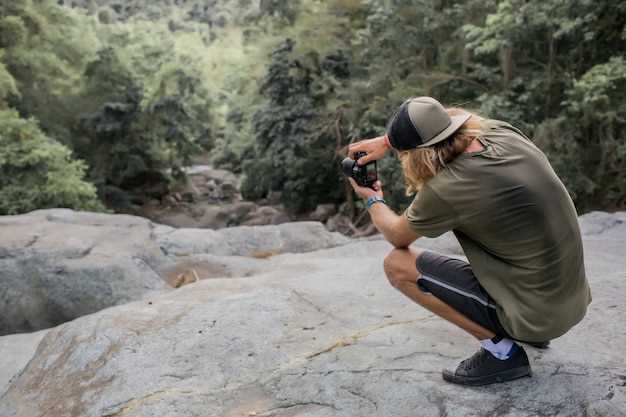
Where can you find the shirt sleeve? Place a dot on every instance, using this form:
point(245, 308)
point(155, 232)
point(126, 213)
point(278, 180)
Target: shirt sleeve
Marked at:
point(429, 215)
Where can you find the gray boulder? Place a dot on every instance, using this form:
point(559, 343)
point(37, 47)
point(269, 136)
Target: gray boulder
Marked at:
point(255, 241)
point(264, 215)
point(317, 334)
point(225, 215)
point(210, 199)
point(599, 223)
point(218, 216)
point(202, 214)
point(56, 265)
point(15, 352)
point(210, 184)
point(323, 212)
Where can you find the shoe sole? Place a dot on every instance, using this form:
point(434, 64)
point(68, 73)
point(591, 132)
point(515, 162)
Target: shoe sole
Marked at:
point(504, 376)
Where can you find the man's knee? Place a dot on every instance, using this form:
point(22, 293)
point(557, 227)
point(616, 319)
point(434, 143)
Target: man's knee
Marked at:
point(400, 267)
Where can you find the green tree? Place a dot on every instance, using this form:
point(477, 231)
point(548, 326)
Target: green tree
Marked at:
point(131, 141)
point(138, 99)
point(295, 149)
point(45, 49)
point(587, 143)
point(37, 172)
point(7, 85)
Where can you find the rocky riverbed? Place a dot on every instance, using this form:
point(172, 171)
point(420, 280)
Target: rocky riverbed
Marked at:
point(287, 320)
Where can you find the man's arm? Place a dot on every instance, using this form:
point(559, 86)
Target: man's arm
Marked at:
point(395, 229)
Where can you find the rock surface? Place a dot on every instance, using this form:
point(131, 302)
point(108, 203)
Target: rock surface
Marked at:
point(15, 352)
point(256, 241)
point(57, 265)
point(210, 199)
point(210, 184)
point(318, 334)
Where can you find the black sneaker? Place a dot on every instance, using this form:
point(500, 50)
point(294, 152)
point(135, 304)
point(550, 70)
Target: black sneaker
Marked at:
point(483, 368)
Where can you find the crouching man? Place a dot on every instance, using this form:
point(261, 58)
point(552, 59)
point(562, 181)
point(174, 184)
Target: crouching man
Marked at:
point(485, 181)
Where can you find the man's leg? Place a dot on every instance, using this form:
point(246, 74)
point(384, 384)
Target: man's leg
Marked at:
point(401, 270)
point(452, 292)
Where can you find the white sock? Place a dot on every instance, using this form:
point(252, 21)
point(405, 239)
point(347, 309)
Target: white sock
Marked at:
point(500, 350)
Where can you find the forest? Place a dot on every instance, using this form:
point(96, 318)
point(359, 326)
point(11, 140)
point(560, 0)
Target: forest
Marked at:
point(104, 102)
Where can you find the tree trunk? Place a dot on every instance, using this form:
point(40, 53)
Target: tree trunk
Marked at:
point(340, 144)
point(506, 64)
point(549, 71)
point(466, 60)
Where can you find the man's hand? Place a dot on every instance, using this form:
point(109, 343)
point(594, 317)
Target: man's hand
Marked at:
point(375, 149)
point(396, 229)
point(366, 192)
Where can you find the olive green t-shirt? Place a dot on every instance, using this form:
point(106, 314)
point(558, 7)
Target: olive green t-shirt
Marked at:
point(518, 228)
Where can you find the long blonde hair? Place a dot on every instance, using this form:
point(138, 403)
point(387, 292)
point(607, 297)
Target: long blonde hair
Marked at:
point(421, 164)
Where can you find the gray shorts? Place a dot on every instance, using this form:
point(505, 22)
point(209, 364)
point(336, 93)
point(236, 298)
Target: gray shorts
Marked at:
point(453, 282)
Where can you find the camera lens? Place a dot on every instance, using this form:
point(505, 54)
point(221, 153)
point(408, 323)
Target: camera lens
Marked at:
point(347, 166)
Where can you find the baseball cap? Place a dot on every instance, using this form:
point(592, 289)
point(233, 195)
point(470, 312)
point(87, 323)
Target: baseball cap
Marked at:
point(422, 122)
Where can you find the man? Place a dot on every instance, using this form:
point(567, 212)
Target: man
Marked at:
point(487, 182)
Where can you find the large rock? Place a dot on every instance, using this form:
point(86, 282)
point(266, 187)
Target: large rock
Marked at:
point(205, 216)
point(214, 185)
point(318, 334)
point(210, 199)
point(256, 241)
point(15, 352)
point(264, 215)
point(57, 265)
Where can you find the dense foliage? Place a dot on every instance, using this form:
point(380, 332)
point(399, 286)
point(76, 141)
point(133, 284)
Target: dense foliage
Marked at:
point(553, 68)
point(276, 90)
point(37, 172)
point(123, 98)
point(563, 77)
point(291, 153)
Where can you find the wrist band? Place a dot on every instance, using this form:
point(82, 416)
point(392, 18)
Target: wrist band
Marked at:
point(373, 200)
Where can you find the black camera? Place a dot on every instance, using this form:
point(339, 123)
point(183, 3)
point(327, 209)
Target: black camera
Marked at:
point(365, 175)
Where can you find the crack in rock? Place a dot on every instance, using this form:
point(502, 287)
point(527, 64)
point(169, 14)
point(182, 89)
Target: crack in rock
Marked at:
point(408, 355)
point(177, 376)
point(83, 253)
point(32, 241)
point(352, 339)
point(558, 371)
point(124, 408)
point(362, 396)
point(315, 306)
point(305, 405)
point(360, 371)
